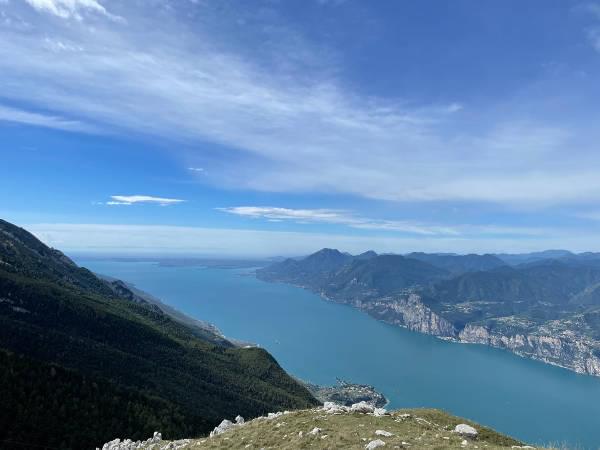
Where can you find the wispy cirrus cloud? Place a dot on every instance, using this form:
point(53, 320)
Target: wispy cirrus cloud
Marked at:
point(338, 217)
point(128, 200)
point(170, 240)
point(293, 125)
point(20, 116)
point(70, 9)
point(352, 220)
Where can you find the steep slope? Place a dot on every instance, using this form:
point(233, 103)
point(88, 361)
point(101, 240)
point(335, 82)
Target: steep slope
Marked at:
point(56, 315)
point(548, 281)
point(203, 330)
point(458, 264)
point(380, 276)
point(310, 271)
point(338, 275)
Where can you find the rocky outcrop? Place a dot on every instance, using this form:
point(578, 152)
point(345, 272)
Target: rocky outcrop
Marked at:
point(410, 312)
point(566, 349)
point(227, 425)
point(128, 444)
point(465, 430)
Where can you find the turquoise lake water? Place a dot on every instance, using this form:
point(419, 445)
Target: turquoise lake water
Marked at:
point(318, 341)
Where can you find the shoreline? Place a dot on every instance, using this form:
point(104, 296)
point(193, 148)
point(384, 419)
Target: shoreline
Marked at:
point(455, 340)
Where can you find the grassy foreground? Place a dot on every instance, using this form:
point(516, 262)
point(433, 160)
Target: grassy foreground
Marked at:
point(409, 428)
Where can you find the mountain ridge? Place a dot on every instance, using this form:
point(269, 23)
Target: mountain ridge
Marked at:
point(61, 321)
point(547, 309)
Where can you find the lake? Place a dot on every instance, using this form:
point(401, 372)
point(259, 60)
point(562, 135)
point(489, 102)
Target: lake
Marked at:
point(318, 341)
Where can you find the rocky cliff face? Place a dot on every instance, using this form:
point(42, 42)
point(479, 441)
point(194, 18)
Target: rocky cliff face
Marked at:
point(410, 312)
point(566, 350)
point(561, 348)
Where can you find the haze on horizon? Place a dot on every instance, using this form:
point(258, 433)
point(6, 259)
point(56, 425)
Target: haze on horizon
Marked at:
point(278, 128)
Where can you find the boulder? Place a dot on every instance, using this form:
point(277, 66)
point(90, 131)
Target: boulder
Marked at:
point(222, 428)
point(362, 407)
point(334, 408)
point(374, 444)
point(465, 430)
point(239, 420)
point(314, 431)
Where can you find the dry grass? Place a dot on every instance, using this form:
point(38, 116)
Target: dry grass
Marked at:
point(414, 428)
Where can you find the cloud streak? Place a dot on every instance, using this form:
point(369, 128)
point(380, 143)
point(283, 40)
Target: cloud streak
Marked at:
point(176, 240)
point(338, 217)
point(70, 9)
point(291, 129)
point(20, 116)
point(347, 218)
point(141, 199)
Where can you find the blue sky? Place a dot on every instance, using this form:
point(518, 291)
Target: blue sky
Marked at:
point(278, 127)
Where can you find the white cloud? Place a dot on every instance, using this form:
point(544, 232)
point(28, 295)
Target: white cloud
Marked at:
point(341, 217)
point(15, 115)
point(293, 129)
point(134, 199)
point(173, 240)
point(69, 9)
point(332, 216)
point(196, 169)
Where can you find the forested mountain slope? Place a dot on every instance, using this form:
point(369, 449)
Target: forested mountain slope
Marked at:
point(80, 353)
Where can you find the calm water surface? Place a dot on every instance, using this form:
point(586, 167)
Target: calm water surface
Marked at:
point(319, 341)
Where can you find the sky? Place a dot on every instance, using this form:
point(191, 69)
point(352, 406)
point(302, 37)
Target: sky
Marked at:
point(277, 127)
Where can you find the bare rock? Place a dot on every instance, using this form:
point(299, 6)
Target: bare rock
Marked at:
point(383, 433)
point(222, 428)
point(374, 444)
point(362, 407)
point(465, 430)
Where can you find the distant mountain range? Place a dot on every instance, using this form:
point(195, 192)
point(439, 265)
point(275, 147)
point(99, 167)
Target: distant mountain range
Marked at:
point(85, 359)
point(544, 305)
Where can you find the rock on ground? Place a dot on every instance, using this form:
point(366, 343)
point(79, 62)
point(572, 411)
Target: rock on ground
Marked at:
point(374, 444)
point(362, 407)
point(465, 430)
point(383, 433)
point(128, 444)
point(222, 428)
